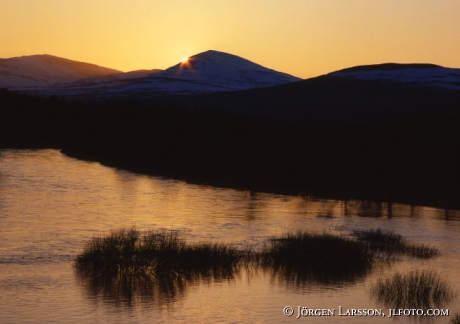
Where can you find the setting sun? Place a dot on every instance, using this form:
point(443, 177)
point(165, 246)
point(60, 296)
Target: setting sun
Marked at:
point(184, 60)
point(332, 34)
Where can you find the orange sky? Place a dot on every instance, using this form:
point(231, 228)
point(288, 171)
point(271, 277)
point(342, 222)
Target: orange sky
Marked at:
point(305, 38)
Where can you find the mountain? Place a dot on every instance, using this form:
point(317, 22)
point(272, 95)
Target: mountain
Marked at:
point(222, 71)
point(220, 80)
point(210, 71)
point(416, 74)
point(340, 135)
point(362, 93)
point(46, 70)
point(110, 80)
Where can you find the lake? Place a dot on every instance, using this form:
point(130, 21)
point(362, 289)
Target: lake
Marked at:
point(51, 205)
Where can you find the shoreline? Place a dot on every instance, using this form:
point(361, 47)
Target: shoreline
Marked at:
point(447, 202)
point(410, 160)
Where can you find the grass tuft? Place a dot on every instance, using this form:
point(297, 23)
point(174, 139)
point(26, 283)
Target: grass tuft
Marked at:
point(322, 257)
point(127, 252)
point(126, 263)
point(110, 254)
point(416, 289)
point(390, 244)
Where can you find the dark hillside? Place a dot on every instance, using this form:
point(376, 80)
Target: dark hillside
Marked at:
point(412, 159)
point(326, 99)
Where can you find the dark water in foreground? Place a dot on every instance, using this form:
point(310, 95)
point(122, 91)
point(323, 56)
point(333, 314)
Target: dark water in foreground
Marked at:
point(50, 205)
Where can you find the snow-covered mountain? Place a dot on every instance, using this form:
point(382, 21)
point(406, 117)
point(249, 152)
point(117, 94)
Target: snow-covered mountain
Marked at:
point(416, 74)
point(46, 70)
point(210, 71)
point(110, 80)
point(206, 72)
point(219, 70)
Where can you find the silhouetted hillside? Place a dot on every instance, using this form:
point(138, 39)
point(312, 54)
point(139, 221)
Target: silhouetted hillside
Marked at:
point(411, 159)
point(326, 99)
point(46, 70)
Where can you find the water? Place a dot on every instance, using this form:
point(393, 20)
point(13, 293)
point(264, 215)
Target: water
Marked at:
point(50, 205)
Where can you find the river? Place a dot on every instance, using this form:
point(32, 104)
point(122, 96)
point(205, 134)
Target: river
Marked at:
point(51, 204)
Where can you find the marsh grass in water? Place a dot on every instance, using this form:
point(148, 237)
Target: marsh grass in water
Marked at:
point(130, 289)
point(389, 244)
point(126, 251)
point(323, 257)
point(129, 262)
point(126, 257)
point(416, 289)
point(126, 263)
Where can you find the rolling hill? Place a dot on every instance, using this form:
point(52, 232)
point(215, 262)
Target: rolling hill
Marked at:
point(210, 71)
point(45, 71)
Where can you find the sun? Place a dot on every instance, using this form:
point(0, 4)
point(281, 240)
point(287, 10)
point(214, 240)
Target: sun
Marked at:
point(184, 60)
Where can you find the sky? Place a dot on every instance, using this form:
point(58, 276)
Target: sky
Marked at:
point(305, 38)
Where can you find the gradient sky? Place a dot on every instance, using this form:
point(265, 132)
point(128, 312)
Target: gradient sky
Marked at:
point(305, 38)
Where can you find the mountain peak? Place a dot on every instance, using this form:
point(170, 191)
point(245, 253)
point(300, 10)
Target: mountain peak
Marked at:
point(209, 71)
point(219, 71)
point(43, 70)
point(423, 74)
point(213, 54)
point(390, 67)
point(225, 58)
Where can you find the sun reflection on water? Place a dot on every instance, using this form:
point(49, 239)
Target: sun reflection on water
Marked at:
point(50, 205)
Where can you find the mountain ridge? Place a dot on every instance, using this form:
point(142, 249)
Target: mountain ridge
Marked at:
point(218, 72)
point(44, 70)
point(209, 71)
point(209, 59)
point(204, 72)
point(388, 66)
point(422, 74)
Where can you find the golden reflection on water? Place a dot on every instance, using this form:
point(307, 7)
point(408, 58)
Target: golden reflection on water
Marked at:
point(50, 205)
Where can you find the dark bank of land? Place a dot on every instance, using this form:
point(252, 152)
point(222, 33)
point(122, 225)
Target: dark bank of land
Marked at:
point(412, 158)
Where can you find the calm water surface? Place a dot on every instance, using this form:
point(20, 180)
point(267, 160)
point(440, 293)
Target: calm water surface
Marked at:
point(50, 205)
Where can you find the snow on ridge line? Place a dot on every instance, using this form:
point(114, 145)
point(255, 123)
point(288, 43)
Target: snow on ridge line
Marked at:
point(422, 74)
point(229, 59)
point(212, 69)
point(46, 70)
point(242, 63)
point(41, 61)
point(225, 71)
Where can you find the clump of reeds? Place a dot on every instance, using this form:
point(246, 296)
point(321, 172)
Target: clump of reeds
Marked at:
point(390, 243)
point(126, 263)
point(127, 260)
point(421, 251)
point(170, 252)
point(127, 252)
point(110, 254)
point(324, 257)
point(415, 289)
point(379, 236)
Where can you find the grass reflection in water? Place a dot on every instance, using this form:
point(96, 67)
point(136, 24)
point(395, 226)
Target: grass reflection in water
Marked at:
point(160, 265)
point(324, 258)
point(419, 289)
point(390, 244)
point(125, 264)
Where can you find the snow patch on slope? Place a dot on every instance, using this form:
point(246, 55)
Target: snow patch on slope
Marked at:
point(46, 70)
point(210, 71)
point(419, 74)
point(226, 71)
